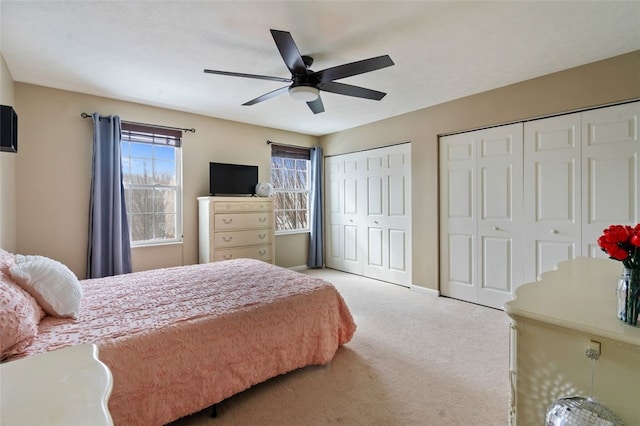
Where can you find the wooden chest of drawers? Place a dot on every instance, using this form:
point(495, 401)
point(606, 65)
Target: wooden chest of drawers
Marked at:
point(231, 227)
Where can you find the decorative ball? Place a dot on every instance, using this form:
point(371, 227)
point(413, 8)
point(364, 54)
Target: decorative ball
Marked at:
point(264, 189)
point(576, 411)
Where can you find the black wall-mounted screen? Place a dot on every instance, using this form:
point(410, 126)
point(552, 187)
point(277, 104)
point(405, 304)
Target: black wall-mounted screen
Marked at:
point(232, 179)
point(8, 129)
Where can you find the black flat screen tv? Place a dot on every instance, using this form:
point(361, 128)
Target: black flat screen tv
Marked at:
point(8, 129)
point(232, 179)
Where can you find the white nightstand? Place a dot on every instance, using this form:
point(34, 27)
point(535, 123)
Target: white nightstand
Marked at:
point(69, 386)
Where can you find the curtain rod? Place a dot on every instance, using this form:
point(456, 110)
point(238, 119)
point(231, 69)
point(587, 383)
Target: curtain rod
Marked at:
point(192, 130)
point(289, 146)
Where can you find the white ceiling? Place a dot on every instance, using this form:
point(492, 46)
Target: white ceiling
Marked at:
point(154, 52)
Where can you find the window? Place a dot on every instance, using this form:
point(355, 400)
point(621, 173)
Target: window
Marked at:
point(291, 180)
point(151, 175)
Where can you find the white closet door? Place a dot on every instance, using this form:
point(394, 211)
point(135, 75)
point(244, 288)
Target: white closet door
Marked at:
point(508, 214)
point(344, 213)
point(499, 213)
point(368, 213)
point(481, 214)
point(610, 170)
point(387, 233)
point(552, 193)
point(458, 229)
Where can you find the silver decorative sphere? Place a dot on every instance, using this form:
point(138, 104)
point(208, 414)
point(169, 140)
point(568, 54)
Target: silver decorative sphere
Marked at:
point(577, 411)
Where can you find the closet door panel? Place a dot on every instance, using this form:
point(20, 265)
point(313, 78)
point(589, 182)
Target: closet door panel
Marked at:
point(398, 255)
point(610, 181)
point(351, 258)
point(333, 210)
point(376, 240)
point(388, 214)
point(374, 196)
point(398, 196)
point(461, 268)
point(343, 211)
point(398, 217)
point(496, 192)
point(334, 249)
point(458, 229)
point(611, 175)
point(350, 184)
point(375, 253)
point(499, 224)
point(496, 277)
point(552, 188)
point(550, 253)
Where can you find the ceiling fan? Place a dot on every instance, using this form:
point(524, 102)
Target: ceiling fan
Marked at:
point(307, 84)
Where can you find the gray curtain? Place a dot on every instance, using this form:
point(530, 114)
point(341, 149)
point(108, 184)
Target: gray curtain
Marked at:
point(315, 259)
point(109, 251)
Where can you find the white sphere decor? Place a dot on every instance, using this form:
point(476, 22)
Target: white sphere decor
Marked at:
point(264, 189)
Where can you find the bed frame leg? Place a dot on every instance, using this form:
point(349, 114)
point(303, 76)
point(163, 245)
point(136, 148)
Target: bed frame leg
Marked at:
point(214, 411)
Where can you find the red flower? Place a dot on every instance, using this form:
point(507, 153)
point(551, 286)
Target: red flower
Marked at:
point(619, 253)
point(622, 242)
point(612, 249)
point(617, 233)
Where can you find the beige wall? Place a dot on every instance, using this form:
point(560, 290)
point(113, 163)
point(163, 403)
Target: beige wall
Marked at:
point(52, 168)
point(7, 170)
point(613, 80)
point(54, 173)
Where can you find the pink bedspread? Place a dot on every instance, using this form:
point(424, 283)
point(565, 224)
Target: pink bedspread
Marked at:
point(178, 340)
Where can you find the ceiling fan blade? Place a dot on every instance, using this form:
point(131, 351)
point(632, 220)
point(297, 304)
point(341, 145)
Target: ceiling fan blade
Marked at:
point(354, 68)
point(349, 90)
point(266, 96)
point(316, 106)
point(239, 74)
point(289, 52)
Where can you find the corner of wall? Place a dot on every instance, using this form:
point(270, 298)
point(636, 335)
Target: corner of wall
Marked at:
point(7, 170)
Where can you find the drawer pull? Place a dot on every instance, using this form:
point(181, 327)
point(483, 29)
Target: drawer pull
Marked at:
point(227, 256)
point(227, 221)
point(262, 252)
point(227, 239)
point(262, 219)
point(262, 236)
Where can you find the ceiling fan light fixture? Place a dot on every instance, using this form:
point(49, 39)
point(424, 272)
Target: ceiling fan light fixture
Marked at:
point(303, 93)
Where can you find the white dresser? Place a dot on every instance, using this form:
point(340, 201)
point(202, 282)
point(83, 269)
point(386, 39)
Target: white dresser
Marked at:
point(236, 227)
point(553, 322)
point(65, 387)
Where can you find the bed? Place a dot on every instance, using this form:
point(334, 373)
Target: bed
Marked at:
point(178, 340)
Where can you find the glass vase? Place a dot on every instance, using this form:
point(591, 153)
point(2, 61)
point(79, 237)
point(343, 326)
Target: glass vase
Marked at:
point(629, 296)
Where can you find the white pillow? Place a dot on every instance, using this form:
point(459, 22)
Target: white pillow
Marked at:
point(51, 283)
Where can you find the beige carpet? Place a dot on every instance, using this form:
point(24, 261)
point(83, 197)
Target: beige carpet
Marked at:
point(415, 359)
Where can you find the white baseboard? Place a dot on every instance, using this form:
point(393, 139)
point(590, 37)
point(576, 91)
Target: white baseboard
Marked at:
point(299, 268)
point(428, 291)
